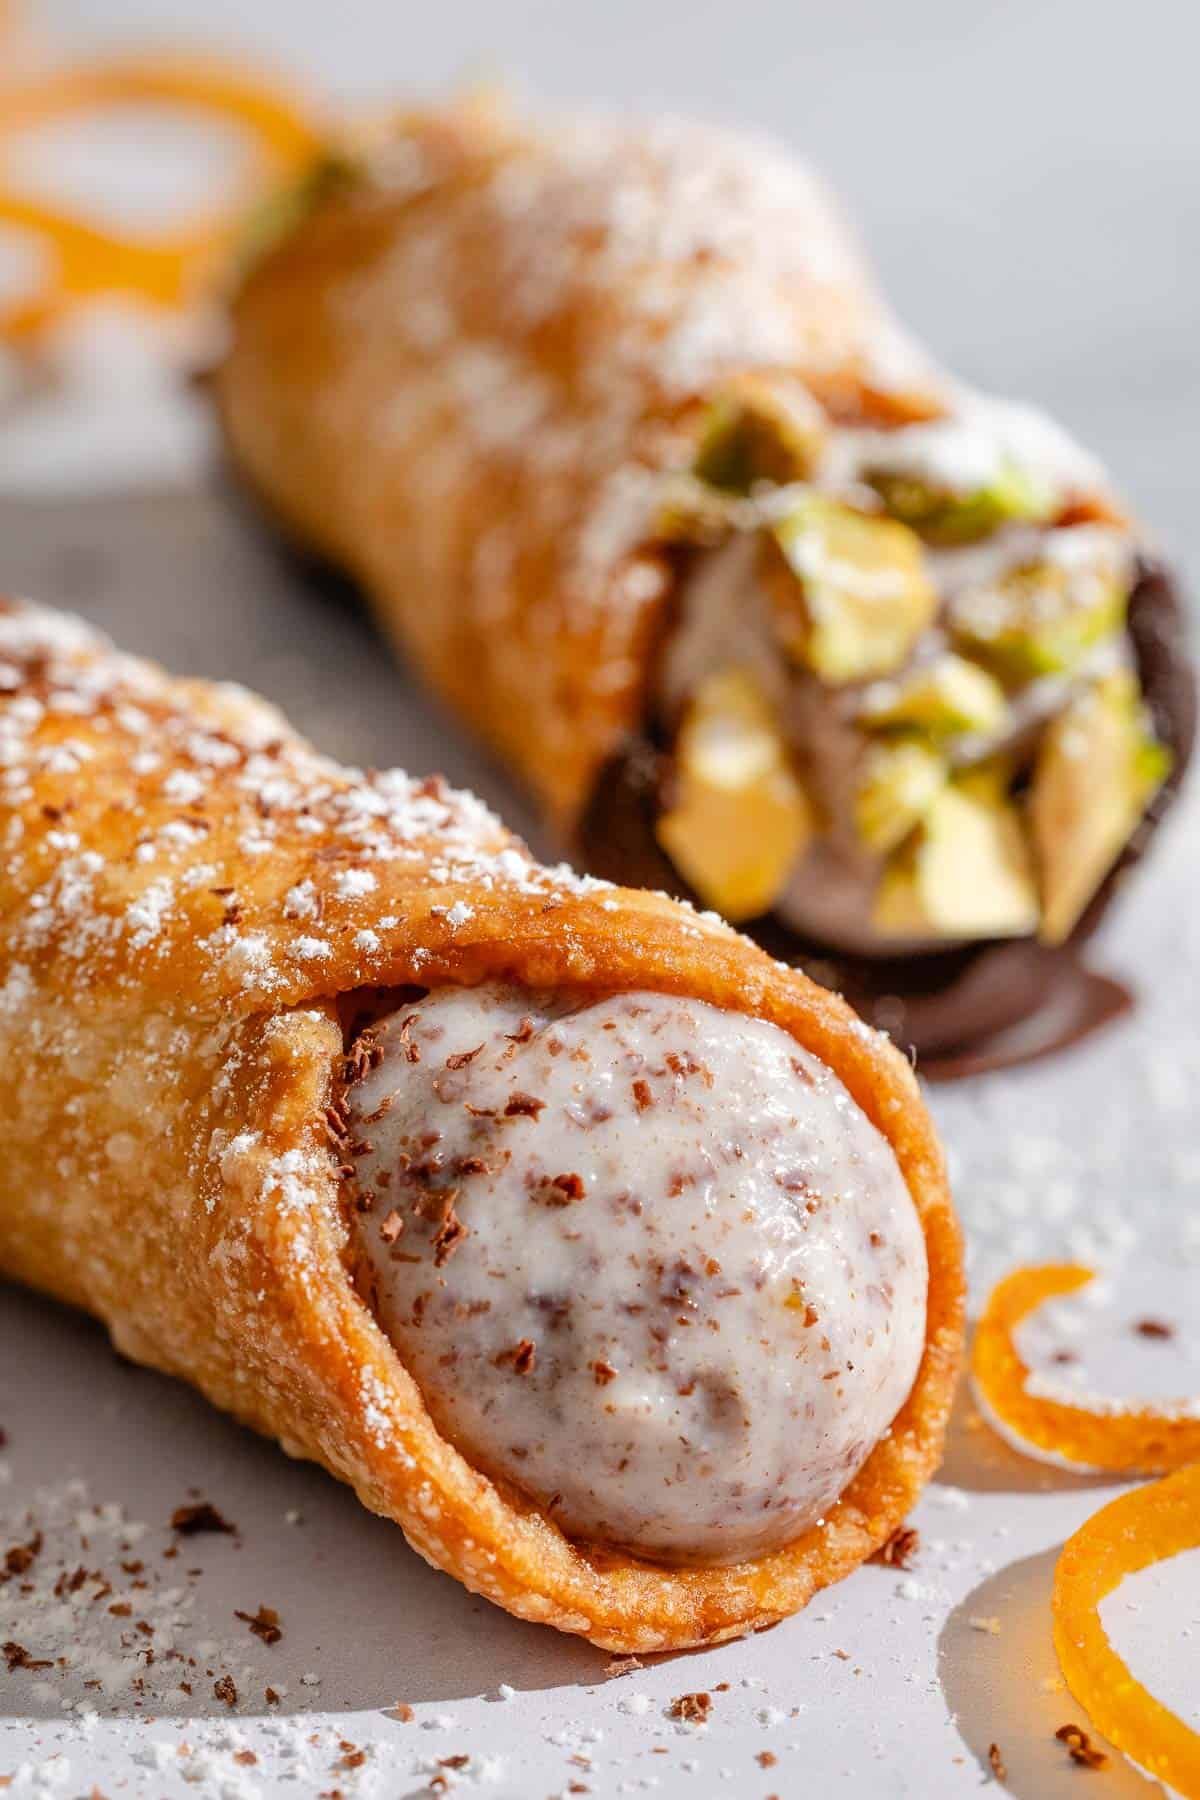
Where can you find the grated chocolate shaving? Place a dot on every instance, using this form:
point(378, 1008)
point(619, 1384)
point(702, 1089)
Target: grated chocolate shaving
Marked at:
point(523, 1106)
point(561, 1190)
point(190, 1521)
point(449, 1235)
point(1081, 1748)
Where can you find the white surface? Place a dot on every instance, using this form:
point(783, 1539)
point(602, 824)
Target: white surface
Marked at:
point(1026, 181)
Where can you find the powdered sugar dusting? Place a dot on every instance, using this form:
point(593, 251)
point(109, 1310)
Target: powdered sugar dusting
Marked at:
point(169, 879)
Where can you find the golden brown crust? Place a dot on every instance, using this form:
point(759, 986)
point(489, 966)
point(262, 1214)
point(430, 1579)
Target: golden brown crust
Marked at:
point(463, 378)
point(177, 923)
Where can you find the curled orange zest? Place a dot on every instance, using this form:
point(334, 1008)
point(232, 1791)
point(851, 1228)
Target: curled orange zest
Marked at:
point(1129, 1534)
point(166, 270)
point(1138, 1439)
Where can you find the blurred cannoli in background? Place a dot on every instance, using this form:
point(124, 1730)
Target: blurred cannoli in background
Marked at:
point(634, 464)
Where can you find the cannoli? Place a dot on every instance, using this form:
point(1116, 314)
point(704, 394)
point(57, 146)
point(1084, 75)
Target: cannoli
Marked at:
point(611, 1259)
point(611, 426)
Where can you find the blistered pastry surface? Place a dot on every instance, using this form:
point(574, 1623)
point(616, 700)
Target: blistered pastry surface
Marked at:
point(186, 887)
point(644, 1258)
point(466, 376)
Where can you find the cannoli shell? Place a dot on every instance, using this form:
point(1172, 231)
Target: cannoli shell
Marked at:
point(463, 380)
point(176, 934)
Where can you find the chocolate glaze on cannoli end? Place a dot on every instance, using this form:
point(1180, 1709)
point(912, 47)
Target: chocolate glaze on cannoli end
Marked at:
point(646, 1259)
point(978, 1005)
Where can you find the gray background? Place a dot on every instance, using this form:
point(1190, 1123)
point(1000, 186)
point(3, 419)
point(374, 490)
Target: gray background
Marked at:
point(1026, 178)
point(1025, 174)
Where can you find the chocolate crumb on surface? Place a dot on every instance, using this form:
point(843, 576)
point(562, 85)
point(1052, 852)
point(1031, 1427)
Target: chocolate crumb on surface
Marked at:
point(766, 1759)
point(225, 1689)
point(190, 1521)
point(264, 1623)
point(693, 1709)
point(1154, 1328)
point(22, 1556)
point(996, 1763)
point(900, 1548)
point(1080, 1747)
point(623, 1665)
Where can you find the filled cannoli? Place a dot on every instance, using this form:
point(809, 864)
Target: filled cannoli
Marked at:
point(630, 458)
point(611, 1259)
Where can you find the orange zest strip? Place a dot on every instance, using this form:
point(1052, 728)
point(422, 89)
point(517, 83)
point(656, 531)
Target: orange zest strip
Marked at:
point(1131, 1533)
point(276, 119)
point(1137, 1439)
point(167, 270)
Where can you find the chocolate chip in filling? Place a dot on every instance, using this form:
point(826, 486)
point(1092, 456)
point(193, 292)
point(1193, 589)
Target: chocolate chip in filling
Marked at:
point(645, 1258)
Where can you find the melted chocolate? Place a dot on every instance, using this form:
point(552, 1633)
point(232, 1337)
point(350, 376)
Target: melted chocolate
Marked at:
point(986, 1006)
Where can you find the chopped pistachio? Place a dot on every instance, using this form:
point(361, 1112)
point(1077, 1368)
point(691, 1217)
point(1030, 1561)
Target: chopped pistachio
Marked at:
point(947, 697)
point(966, 874)
point(851, 594)
point(692, 512)
point(1044, 616)
point(1097, 769)
point(281, 212)
point(899, 782)
point(740, 818)
point(943, 516)
point(761, 429)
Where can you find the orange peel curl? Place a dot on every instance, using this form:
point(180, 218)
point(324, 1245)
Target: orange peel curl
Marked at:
point(1132, 1532)
point(168, 269)
point(1150, 1439)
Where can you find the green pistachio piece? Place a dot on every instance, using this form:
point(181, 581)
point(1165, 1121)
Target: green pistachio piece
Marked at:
point(948, 697)
point(943, 516)
point(966, 874)
point(1098, 767)
point(899, 782)
point(761, 429)
point(283, 211)
point(740, 817)
point(1044, 616)
point(851, 593)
